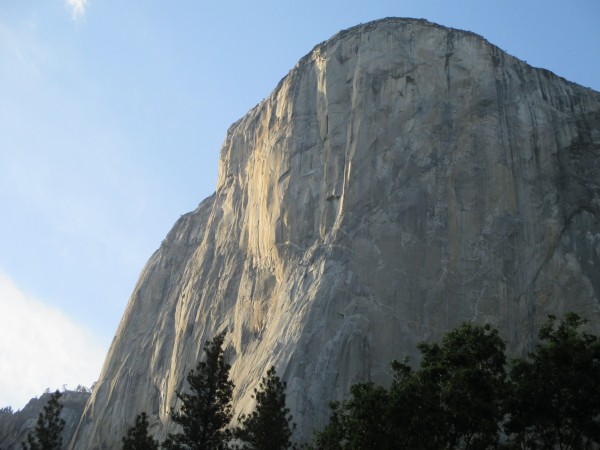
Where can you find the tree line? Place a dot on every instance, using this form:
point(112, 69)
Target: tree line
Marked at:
point(465, 394)
point(206, 412)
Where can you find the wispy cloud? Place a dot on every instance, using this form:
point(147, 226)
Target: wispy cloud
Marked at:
point(41, 347)
point(77, 8)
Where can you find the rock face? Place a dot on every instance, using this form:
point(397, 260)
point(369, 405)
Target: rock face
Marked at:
point(14, 427)
point(401, 179)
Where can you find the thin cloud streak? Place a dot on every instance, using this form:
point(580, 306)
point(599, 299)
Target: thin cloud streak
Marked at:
point(77, 8)
point(41, 347)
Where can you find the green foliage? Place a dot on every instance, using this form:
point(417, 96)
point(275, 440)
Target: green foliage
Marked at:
point(463, 384)
point(360, 422)
point(555, 400)
point(137, 437)
point(269, 426)
point(453, 401)
point(334, 434)
point(81, 388)
point(206, 410)
point(47, 435)
point(460, 397)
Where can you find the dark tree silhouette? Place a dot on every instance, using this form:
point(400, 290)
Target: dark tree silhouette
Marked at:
point(269, 427)
point(555, 395)
point(462, 385)
point(360, 422)
point(453, 401)
point(206, 410)
point(137, 437)
point(47, 435)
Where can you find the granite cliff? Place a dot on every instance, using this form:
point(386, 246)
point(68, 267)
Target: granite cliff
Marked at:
point(15, 426)
point(401, 179)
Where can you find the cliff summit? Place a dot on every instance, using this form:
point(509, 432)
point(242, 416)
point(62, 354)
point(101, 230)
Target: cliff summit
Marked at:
point(403, 178)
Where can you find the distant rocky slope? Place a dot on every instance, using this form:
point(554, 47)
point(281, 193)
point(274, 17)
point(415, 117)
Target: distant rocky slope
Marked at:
point(401, 179)
point(15, 426)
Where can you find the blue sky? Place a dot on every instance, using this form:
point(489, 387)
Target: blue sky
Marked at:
point(112, 115)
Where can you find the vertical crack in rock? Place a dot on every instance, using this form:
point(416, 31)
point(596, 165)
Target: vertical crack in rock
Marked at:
point(401, 179)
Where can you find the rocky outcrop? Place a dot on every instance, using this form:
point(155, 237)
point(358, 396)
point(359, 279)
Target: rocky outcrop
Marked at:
point(401, 179)
point(15, 426)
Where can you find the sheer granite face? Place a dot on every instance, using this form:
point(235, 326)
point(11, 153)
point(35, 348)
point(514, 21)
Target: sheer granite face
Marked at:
point(401, 179)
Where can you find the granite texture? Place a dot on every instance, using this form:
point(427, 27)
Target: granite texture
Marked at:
point(15, 426)
point(401, 179)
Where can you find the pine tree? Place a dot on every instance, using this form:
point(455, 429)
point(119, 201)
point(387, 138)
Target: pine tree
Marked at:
point(269, 426)
point(137, 436)
point(49, 427)
point(206, 410)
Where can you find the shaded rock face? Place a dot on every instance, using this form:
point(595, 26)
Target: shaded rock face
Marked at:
point(14, 427)
point(403, 178)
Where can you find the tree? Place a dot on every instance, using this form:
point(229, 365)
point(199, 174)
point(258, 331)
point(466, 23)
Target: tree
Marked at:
point(555, 395)
point(206, 410)
point(137, 437)
point(453, 401)
point(414, 406)
point(334, 434)
point(82, 389)
point(269, 426)
point(360, 422)
point(47, 435)
point(461, 396)
point(462, 384)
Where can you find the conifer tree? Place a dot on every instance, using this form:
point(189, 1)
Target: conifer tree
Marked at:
point(269, 426)
point(206, 410)
point(47, 435)
point(137, 436)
